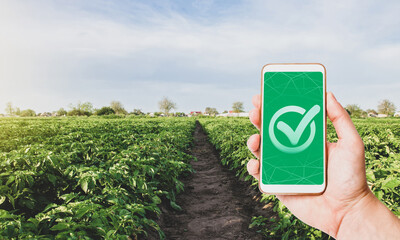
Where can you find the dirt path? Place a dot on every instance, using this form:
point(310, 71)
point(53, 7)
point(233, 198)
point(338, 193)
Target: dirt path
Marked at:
point(215, 204)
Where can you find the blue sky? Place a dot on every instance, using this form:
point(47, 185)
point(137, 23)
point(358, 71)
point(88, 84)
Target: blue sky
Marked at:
point(197, 53)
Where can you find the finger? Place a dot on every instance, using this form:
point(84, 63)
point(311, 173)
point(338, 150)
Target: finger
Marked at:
point(254, 144)
point(253, 168)
point(256, 101)
point(254, 116)
point(341, 120)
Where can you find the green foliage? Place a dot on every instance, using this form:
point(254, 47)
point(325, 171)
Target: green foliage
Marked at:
point(104, 111)
point(137, 112)
point(237, 107)
point(382, 152)
point(28, 113)
point(81, 109)
point(354, 110)
point(386, 107)
point(89, 178)
point(77, 112)
point(211, 111)
point(166, 105)
point(62, 112)
point(118, 108)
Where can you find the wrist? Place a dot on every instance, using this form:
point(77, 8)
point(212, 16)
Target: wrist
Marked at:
point(369, 218)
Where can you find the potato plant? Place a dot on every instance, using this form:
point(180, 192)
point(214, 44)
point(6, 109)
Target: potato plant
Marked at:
point(89, 178)
point(382, 152)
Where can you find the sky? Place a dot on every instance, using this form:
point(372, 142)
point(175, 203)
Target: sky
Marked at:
point(197, 53)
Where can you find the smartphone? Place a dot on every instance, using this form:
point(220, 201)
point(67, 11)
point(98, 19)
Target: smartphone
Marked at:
point(293, 129)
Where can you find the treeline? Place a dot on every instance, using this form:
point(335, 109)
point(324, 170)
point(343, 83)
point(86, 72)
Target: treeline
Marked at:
point(79, 109)
point(386, 108)
point(115, 108)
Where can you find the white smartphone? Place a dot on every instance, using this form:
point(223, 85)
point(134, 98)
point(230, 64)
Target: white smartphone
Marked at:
point(293, 129)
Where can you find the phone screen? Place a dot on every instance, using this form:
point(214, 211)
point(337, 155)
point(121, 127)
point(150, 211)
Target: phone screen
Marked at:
point(293, 128)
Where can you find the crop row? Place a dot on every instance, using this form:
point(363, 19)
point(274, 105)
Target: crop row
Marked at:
point(89, 178)
point(382, 151)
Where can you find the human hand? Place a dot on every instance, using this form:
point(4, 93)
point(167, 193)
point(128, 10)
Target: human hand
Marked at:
point(347, 192)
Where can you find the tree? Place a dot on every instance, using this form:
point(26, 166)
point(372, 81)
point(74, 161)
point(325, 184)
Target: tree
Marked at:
point(85, 107)
point(386, 107)
point(180, 114)
point(28, 113)
point(237, 107)
point(137, 112)
point(81, 109)
point(61, 112)
point(17, 111)
point(166, 105)
point(77, 112)
point(9, 109)
point(211, 111)
point(354, 110)
point(118, 107)
point(104, 111)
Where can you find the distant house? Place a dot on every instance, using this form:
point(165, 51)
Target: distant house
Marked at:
point(194, 113)
point(380, 115)
point(397, 114)
point(45, 114)
point(372, 114)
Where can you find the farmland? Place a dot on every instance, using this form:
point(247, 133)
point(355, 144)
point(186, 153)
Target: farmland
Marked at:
point(382, 151)
point(89, 178)
point(93, 178)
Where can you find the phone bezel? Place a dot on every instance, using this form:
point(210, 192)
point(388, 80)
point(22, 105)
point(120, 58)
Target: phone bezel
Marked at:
point(293, 189)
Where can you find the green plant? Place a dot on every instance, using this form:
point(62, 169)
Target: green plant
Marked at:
point(89, 178)
point(382, 152)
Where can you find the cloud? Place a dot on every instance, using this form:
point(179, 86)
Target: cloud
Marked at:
point(72, 50)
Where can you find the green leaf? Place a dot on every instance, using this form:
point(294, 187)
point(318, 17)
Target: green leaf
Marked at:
point(379, 194)
point(2, 199)
point(390, 183)
point(370, 175)
point(175, 206)
point(156, 200)
point(10, 180)
point(109, 233)
point(50, 206)
point(84, 185)
point(52, 179)
point(60, 227)
point(68, 197)
point(82, 211)
point(6, 215)
point(11, 199)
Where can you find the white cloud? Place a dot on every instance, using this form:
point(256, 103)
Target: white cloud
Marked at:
point(77, 51)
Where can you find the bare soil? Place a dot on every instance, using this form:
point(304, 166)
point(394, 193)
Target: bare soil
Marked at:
point(216, 205)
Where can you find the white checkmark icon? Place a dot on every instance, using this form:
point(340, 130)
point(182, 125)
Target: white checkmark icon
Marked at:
point(294, 136)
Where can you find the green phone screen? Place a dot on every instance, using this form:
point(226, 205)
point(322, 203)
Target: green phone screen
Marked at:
point(293, 128)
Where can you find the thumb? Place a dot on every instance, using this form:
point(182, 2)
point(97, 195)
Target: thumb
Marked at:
point(341, 120)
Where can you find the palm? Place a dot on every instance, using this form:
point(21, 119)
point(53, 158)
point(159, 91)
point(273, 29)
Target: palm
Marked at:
point(343, 189)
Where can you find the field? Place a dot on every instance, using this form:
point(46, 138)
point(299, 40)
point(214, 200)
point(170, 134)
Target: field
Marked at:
point(382, 151)
point(91, 178)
